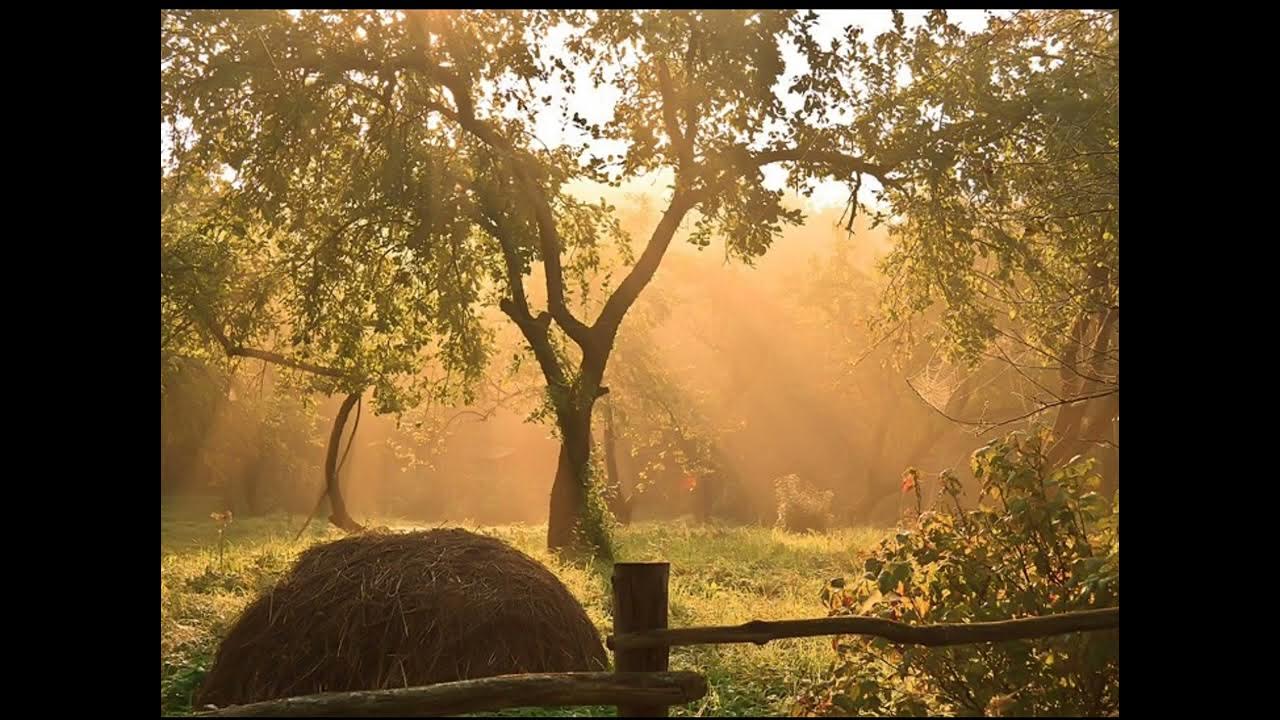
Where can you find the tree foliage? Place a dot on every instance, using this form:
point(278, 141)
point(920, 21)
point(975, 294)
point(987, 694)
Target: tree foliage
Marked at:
point(1004, 268)
point(384, 178)
point(1011, 225)
point(222, 433)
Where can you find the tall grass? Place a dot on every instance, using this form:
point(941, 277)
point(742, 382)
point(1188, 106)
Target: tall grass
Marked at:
point(719, 576)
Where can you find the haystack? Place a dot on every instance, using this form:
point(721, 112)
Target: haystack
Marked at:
point(377, 611)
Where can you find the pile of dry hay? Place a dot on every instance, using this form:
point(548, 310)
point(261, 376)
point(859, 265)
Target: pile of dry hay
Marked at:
point(377, 611)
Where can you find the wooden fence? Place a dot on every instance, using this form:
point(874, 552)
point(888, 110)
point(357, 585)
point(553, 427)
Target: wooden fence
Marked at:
point(642, 685)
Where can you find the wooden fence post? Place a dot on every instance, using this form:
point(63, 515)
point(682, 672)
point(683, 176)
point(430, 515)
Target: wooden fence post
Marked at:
point(640, 603)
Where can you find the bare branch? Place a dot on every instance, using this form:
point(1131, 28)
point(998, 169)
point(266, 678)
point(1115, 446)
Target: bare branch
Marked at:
point(642, 272)
point(841, 164)
point(234, 350)
point(523, 168)
point(989, 426)
point(515, 276)
point(482, 416)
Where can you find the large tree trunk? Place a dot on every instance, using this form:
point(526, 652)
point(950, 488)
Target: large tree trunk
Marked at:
point(573, 403)
point(565, 527)
point(1070, 431)
point(574, 397)
point(1067, 424)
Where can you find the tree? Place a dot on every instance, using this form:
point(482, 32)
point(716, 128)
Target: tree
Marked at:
point(233, 285)
point(402, 145)
point(1011, 227)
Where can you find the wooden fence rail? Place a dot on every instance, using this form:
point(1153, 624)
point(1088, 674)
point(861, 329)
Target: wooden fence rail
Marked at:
point(760, 632)
point(642, 685)
point(642, 640)
point(488, 694)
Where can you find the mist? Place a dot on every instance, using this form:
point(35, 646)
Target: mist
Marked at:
point(759, 360)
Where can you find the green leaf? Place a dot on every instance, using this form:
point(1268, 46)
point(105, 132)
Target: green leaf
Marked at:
point(873, 566)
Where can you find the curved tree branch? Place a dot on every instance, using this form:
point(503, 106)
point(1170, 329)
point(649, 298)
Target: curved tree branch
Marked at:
point(234, 350)
point(841, 163)
point(523, 169)
point(642, 272)
point(534, 328)
point(511, 259)
point(332, 465)
point(339, 517)
point(684, 201)
point(989, 426)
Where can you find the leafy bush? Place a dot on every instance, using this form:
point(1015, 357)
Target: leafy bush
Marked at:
point(801, 507)
point(1042, 541)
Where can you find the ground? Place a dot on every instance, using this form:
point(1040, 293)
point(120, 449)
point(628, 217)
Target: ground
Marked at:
point(719, 576)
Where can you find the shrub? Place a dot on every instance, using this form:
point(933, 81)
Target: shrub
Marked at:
point(1041, 541)
point(801, 507)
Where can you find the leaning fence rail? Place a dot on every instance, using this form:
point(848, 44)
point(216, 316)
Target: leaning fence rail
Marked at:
point(642, 686)
point(486, 695)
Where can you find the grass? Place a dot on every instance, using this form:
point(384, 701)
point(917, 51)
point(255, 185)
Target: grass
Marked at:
point(719, 576)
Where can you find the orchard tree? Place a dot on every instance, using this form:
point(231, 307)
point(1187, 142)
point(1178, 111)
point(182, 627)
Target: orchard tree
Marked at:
point(234, 287)
point(404, 145)
point(1010, 229)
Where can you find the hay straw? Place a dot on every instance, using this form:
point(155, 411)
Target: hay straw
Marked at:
point(375, 611)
